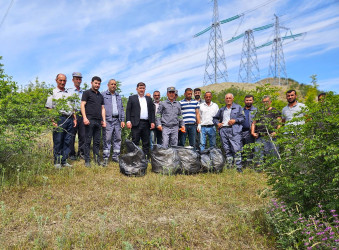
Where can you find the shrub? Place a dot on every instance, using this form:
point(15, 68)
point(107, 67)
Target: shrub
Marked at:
point(292, 229)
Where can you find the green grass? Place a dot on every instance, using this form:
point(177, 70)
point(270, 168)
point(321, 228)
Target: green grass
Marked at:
point(101, 208)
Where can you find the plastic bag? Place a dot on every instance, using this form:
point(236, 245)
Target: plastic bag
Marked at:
point(189, 159)
point(165, 160)
point(212, 160)
point(133, 163)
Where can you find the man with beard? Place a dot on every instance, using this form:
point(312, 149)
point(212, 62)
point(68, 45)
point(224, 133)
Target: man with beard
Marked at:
point(191, 115)
point(249, 112)
point(292, 109)
point(94, 115)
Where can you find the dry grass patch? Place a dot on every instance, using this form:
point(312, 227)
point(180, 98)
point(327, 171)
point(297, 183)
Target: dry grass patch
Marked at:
point(100, 208)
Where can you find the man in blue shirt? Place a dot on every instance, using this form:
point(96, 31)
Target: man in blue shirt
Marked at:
point(115, 117)
point(229, 120)
point(249, 112)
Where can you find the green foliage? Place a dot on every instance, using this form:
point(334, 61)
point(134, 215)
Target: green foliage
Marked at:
point(295, 231)
point(308, 171)
point(23, 116)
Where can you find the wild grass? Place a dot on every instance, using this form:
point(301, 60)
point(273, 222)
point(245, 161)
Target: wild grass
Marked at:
point(100, 208)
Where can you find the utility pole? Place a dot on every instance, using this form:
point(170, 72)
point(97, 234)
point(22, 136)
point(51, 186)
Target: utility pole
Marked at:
point(249, 68)
point(215, 70)
point(277, 68)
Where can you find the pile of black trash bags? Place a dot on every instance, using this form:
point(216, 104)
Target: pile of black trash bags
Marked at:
point(171, 161)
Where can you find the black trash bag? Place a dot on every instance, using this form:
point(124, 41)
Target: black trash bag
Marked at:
point(189, 160)
point(133, 163)
point(212, 160)
point(165, 160)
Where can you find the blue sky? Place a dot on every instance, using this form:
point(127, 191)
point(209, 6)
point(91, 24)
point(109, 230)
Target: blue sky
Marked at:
point(152, 41)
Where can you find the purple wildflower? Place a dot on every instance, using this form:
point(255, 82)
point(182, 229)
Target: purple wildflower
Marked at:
point(335, 215)
point(332, 211)
point(308, 232)
point(311, 238)
point(283, 210)
point(331, 233)
point(324, 238)
point(306, 243)
point(321, 211)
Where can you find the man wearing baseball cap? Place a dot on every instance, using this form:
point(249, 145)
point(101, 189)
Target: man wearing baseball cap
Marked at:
point(80, 128)
point(169, 119)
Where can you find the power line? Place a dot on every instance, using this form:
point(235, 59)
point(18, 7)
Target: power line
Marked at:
point(184, 41)
point(9, 7)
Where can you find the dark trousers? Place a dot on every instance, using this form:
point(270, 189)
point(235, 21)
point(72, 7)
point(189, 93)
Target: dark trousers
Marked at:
point(62, 138)
point(142, 131)
point(80, 130)
point(191, 132)
point(93, 130)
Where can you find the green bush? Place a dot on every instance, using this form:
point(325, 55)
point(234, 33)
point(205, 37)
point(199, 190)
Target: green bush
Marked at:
point(307, 172)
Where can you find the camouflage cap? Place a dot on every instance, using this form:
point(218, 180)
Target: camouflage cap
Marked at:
point(77, 74)
point(170, 89)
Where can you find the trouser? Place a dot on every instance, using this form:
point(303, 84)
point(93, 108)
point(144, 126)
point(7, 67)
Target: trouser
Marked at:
point(93, 130)
point(62, 138)
point(155, 137)
point(142, 131)
point(232, 144)
point(112, 133)
point(191, 131)
point(247, 138)
point(80, 130)
point(210, 132)
point(265, 148)
point(169, 136)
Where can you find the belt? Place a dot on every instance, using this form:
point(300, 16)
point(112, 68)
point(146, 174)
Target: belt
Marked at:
point(189, 123)
point(115, 116)
point(207, 125)
point(64, 115)
point(144, 120)
point(245, 129)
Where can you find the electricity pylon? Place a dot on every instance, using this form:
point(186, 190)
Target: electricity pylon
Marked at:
point(277, 68)
point(249, 68)
point(215, 69)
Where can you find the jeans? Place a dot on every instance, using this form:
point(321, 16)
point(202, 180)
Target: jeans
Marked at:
point(209, 131)
point(93, 130)
point(62, 139)
point(191, 131)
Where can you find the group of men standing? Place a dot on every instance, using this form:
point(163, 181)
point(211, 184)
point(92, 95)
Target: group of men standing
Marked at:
point(167, 122)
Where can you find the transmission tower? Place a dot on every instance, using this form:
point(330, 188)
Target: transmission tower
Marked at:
point(215, 62)
point(249, 69)
point(277, 68)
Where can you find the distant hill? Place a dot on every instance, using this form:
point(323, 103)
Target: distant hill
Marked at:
point(217, 87)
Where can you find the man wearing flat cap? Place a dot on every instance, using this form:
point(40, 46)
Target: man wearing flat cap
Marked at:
point(80, 128)
point(169, 119)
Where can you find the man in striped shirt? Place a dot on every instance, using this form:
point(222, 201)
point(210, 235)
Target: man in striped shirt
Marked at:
point(191, 116)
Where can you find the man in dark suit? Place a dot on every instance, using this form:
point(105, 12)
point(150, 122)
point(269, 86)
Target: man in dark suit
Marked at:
point(140, 117)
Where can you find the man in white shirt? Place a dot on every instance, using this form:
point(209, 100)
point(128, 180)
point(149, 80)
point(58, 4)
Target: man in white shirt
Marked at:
point(208, 110)
point(293, 109)
point(140, 117)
